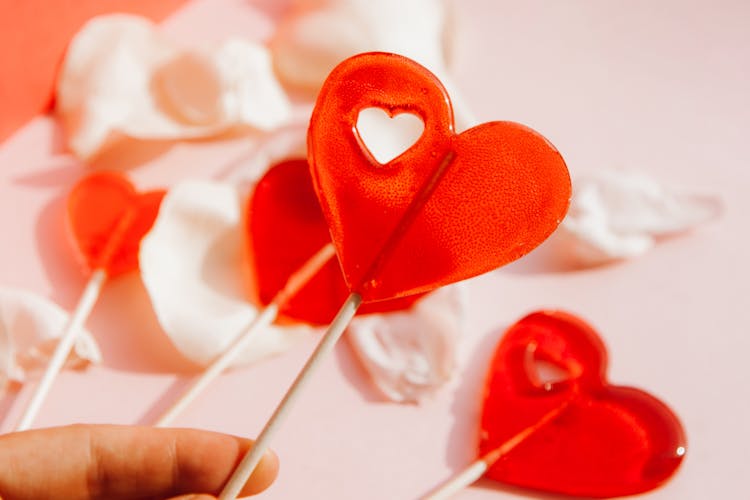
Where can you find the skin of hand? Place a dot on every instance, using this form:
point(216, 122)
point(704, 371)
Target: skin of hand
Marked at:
point(86, 462)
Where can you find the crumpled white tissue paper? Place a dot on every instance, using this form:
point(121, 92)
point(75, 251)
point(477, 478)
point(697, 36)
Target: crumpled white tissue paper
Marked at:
point(192, 263)
point(316, 35)
point(29, 328)
point(621, 214)
point(411, 354)
point(122, 77)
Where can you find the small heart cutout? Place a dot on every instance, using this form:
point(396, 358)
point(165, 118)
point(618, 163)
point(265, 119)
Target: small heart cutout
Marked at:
point(601, 440)
point(450, 207)
point(286, 227)
point(387, 137)
point(108, 219)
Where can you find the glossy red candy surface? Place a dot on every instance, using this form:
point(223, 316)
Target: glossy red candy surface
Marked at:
point(595, 439)
point(450, 207)
point(286, 228)
point(108, 218)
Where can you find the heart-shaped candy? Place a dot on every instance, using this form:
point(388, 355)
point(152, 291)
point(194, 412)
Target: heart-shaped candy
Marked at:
point(108, 219)
point(450, 207)
point(286, 228)
point(585, 437)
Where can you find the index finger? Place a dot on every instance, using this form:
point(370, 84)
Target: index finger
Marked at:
point(89, 462)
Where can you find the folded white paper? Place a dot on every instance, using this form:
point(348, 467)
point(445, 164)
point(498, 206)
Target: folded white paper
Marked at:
point(30, 327)
point(316, 35)
point(411, 354)
point(620, 214)
point(193, 262)
point(122, 77)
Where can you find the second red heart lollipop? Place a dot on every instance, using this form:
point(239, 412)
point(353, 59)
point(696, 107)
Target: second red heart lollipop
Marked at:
point(107, 219)
point(576, 434)
point(286, 227)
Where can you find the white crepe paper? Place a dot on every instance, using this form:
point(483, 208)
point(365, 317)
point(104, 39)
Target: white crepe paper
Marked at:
point(621, 214)
point(29, 329)
point(411, 354)
point(316, 35)
point(192, 263)
point(122, 77)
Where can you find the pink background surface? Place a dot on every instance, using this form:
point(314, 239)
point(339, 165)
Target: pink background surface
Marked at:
point(660, 88)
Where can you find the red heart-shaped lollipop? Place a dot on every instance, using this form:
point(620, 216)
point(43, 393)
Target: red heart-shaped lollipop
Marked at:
point(450, 207)
point(286, 227)
point(595, 439)
point(108, 219)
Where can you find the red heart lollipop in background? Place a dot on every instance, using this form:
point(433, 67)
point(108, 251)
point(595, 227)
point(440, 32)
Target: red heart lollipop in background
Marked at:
point(286, 227)
point(450, 207)
point(586, 437)
point(108, 219)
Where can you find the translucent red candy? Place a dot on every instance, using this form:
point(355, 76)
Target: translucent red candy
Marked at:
point(286, 228)
point(108, 219)
point(593, 439)
point(450, 207)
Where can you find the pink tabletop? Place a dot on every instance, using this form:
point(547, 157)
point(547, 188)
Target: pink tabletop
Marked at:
point(657, 87)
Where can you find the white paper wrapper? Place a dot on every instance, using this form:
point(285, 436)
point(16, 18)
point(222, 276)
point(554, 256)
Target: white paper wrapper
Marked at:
point(29, 328)
point(411, 354)
point(619, 214)
point(318, 34)
point(121, 77)
point(192, 263)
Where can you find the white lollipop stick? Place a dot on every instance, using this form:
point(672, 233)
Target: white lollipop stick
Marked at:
point(221, 363)
point(460, 481)
point(254, 454)
point(334, 332)
point(70, 333)
point(477, 469)
point(80, 314)
point(266, 317)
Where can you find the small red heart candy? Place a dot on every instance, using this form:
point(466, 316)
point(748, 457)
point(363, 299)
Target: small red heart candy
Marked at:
point(108, 219)
point(286, 227)
point(450, 207)
point(602, 440)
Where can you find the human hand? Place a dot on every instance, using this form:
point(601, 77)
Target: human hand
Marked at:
point(86, 462)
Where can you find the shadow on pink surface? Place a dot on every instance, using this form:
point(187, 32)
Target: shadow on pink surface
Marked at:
point(165, 400)
point(129, 154)
point(461, 448)
point(356, 375)
point(125, 326)
point(490, 485)
point(549, 258)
